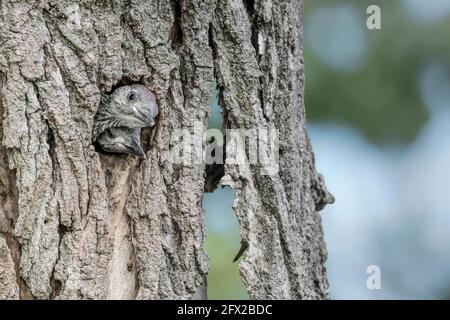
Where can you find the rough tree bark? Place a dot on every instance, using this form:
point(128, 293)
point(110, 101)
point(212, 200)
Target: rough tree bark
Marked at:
point(78, 224)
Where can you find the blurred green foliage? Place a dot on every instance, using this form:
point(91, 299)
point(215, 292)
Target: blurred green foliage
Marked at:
point(223, 279)
point(222, 243)
point(381, 99)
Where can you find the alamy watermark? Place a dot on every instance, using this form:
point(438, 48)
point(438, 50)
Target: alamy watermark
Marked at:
point(373, 21)
point(258, 147)
point(374, 279)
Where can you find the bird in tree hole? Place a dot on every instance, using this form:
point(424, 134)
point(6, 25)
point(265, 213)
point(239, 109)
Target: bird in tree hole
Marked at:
point(120, 117)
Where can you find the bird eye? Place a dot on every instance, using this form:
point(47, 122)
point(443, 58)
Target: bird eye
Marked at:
point(131, 96)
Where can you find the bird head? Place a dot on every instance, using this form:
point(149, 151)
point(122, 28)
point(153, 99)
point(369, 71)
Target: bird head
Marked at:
point(122, 140)
point(133, 106)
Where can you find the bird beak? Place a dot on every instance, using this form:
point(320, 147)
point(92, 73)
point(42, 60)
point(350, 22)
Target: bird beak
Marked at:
point(136, 149)
point(146, 118)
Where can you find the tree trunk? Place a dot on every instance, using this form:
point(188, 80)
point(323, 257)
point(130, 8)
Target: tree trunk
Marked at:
point(79, 224)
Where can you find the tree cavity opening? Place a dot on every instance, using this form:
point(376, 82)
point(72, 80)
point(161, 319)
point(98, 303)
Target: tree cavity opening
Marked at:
point(222, 227)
